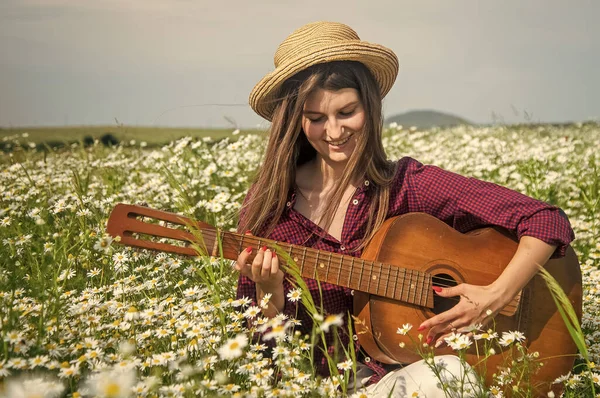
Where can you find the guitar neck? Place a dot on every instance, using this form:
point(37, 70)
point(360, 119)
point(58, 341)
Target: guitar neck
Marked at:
point(129, 223)
point(372, 277)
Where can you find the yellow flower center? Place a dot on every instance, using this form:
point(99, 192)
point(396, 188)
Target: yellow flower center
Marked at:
point(112, 390)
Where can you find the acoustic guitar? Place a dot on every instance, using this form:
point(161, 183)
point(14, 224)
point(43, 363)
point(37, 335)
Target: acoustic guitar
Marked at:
point(393, 279)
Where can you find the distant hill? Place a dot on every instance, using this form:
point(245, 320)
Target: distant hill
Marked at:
point(425, 119)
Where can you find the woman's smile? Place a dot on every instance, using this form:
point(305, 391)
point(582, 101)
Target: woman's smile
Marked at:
point(337, 144)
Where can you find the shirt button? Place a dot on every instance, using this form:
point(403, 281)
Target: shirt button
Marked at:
point(342, 248)
point(355, 202)
point(289, 204)
point(367, 183)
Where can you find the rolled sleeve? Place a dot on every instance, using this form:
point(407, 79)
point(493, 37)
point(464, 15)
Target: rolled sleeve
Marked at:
point(468, 203)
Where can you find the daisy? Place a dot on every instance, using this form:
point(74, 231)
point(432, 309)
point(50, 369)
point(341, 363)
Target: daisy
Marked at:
point(111, 384)
point(294, 295)
point(233, 348)
point(332, 320)
point(252, 312)
point(511, 337)
point(103, 244)
point(404, 329)
point(346, 365)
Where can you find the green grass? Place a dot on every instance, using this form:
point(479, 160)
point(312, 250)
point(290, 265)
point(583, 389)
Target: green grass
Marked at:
point(153, 136)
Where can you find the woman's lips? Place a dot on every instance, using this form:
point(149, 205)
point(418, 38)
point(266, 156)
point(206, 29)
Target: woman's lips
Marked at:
point(339, 143)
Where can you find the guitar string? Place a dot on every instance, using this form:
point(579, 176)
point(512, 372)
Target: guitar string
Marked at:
point(386, 275)
point(337, 256)
point(213, 234)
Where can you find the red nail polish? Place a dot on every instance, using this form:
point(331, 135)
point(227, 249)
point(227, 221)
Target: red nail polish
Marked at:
point(249, 249)
point(248, 232)
point(421, 328)
point(437, 289)
point(429, 340)
point(263, 248)
point(274, 255)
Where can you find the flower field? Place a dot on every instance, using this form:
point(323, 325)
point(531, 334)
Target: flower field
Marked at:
point(81, 315)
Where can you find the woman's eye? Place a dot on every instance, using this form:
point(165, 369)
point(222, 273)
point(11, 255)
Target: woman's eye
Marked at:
point(347, 113)
point(317, 120)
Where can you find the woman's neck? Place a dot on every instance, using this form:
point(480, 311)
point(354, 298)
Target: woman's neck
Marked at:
point(321, 175)
point(331, 172)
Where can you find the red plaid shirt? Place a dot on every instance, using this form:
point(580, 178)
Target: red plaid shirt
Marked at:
point(461, 202)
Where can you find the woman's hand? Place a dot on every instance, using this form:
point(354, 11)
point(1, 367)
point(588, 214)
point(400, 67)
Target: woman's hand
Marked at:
point(476, 301)
point(477, 304)
point(264, 270)
point(265, 273)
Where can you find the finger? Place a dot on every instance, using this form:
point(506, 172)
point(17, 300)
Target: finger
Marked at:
point(275, 264)
point(242, 260)
point(443, 318)
point(451, 291)
point(266, 265)
point(257, 264)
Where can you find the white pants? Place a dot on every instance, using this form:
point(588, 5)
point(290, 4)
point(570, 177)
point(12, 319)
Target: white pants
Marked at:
point(418, 380)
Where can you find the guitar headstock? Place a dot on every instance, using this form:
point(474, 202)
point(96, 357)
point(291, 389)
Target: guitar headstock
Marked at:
point(153, 229)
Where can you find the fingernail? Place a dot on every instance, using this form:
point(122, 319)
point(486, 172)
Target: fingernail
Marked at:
point(249, 249)
point(248, 232)
point(429, 339)
point(436, 289)
point(421, 328)
point(438, 343)
point(274, 255)
point(264, 248)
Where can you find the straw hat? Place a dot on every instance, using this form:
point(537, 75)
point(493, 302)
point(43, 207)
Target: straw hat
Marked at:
point(317, 43)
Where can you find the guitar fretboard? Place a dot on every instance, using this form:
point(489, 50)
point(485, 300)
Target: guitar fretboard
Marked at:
point(373, 277)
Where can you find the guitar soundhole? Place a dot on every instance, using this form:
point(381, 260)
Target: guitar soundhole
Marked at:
point(441, 304)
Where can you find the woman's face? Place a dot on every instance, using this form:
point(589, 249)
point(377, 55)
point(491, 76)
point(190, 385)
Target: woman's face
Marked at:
point(332, 121)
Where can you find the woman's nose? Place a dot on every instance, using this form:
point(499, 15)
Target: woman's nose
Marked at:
point(334, 129)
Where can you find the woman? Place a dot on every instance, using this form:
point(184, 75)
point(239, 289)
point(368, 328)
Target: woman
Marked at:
point(326, 183)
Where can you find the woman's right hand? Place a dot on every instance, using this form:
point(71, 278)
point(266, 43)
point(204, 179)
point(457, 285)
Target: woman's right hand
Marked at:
point(264, 269)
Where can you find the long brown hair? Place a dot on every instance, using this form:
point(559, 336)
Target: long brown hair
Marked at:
point(289, 148)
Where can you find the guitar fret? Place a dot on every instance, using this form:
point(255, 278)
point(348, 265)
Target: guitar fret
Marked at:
point(241, 243)
point(326, 268)
point(407, 286)
point(427, 289)
point(417, 287)
point(360, 278)
point(411, 286)
point(387, 282)
point(304, 258)
point(351, 268)
point(395, 282)
point(317, 263)
point(420, 287)
point(379, 281)
point(339, 274)
point(421, 283)
point(370, 290)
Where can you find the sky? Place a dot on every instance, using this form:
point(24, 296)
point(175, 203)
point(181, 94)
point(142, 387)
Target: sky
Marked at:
point(192, 63)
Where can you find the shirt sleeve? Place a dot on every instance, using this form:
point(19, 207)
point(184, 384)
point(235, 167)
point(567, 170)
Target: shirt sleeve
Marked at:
point(468, 203)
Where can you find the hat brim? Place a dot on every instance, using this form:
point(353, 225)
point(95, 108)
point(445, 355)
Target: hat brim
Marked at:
point(380, 60)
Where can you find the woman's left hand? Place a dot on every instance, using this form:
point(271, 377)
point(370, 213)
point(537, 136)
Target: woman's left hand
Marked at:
point(477, 305)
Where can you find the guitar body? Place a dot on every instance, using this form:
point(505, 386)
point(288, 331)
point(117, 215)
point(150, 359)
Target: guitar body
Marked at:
point(423, 243)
